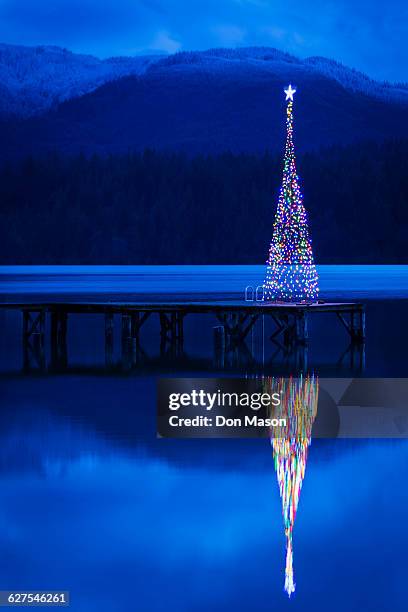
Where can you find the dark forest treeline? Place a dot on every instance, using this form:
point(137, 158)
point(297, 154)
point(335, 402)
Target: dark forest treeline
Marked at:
point(169, 208)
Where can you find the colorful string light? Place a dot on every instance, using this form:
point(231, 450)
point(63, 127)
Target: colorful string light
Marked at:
point(291, 273)
point(290, 446)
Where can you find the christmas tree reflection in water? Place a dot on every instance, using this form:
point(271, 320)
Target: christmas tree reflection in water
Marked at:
point(299, 397)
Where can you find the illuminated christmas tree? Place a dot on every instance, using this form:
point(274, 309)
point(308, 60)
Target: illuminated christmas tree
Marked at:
point(290, 446)
point(291, 273)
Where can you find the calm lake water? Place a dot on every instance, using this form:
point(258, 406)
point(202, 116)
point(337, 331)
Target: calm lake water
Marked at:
point(92, 502)
point(348, 282)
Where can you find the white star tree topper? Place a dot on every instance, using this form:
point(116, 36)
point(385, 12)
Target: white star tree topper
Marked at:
point(289, 92)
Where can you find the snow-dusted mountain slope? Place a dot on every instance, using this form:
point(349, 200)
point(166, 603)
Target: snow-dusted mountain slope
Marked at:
point(212, 101)
point(357, 81)
point(280, 63)
point(35, 79)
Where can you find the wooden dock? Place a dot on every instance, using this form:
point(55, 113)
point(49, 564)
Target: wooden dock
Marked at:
point(236, 318)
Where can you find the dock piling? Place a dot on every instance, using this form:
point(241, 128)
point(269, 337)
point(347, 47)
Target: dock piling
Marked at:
point(59, 353)
point(127, 341)
point(34, 339)
point(109, 339)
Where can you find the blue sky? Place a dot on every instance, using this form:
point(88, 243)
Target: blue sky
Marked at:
point(368, 35)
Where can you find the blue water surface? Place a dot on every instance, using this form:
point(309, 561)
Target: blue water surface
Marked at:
point(352, 281)
point(93, 503)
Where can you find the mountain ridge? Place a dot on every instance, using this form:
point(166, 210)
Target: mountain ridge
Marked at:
point(203, 102)
point(36, 79)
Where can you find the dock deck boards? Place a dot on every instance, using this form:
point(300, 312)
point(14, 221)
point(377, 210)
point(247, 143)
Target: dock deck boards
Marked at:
point(184, 306)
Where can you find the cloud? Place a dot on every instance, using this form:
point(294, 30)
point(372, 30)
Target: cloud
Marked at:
point(369, 35)
point(298, 38)
point(275, 33)
point(164, 42)
point(230, 34)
